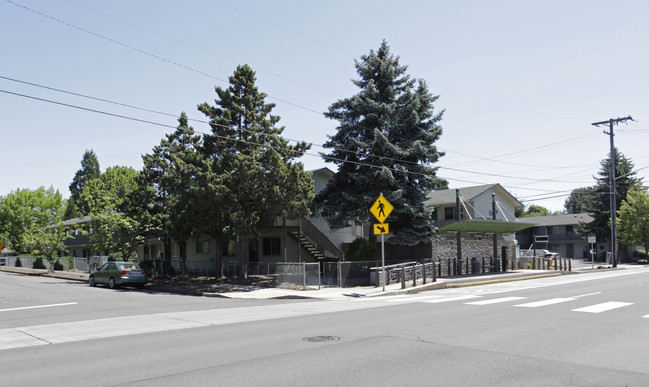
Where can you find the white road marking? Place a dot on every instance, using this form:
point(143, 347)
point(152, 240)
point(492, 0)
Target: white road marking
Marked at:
point(546, 302)
point(603, 307)
point(494, 301)
point(38, 306)
point(589, 294)
point(459, 298)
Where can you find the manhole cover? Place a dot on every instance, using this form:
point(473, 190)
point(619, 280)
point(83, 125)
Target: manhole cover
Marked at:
point(320, 339)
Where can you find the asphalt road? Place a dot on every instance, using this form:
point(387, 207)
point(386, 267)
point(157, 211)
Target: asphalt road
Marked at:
point(575, 330)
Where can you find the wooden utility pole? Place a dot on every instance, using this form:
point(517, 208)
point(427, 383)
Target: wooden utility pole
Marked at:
point(610, 123)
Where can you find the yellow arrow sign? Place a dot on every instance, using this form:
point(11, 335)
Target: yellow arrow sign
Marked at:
point(381, 228)
point(381, 209)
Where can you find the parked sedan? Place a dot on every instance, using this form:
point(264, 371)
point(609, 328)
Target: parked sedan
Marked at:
point(549, 254)
point(115, 274)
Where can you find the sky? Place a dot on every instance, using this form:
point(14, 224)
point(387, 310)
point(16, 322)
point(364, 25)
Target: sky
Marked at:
point(520, 83)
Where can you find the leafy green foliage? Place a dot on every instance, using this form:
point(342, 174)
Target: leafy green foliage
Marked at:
point(361, 250)
point(38, 264)
point(110, 191)
point(384, 144)
point(111, 231)
point(532, 210)
point(48, 242)
point(633, 222)
point(23, 211)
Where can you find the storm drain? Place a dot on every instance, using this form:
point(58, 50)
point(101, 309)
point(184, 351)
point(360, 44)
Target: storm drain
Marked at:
point(321, 339)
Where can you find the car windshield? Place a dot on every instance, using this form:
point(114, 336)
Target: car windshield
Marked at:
point(128, 266)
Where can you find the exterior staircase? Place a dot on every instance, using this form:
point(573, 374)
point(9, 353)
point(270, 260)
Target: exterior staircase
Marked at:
point(307, 244)
point(315, 242)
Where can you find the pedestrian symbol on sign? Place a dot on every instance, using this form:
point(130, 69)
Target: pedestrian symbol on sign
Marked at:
point(381, 209)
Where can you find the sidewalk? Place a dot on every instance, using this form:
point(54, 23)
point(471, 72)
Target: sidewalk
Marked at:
point(210, 289)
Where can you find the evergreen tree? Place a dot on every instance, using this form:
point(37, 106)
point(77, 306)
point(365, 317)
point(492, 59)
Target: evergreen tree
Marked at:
point(253, 170)
point(89, 171)
point(599, 206)
point(173, 174)
point(384, 144)
point(578, 200)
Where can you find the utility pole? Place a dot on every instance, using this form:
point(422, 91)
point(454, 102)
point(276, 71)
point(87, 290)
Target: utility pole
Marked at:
point(610, 123)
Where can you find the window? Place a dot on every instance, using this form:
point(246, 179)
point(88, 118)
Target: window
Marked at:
point(449, 213)
point(203, 246)
point(228, 248)
point(271, 246)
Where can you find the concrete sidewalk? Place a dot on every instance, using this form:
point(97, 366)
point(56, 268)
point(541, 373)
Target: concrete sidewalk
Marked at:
point(210, 289)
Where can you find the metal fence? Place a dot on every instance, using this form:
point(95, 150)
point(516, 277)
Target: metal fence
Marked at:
point(85, 265)
point(300, 274)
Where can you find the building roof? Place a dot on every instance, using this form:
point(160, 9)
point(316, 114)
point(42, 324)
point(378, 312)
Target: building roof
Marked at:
point(558, 220)
point(70, 222)
point(486, 226)
point(447, 196)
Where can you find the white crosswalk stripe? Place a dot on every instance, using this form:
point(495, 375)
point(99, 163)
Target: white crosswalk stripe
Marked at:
point(448, 299)
point(495, 301)
point(551, 301)
point(603, 307)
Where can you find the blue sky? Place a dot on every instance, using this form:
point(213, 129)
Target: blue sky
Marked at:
point(520, 82)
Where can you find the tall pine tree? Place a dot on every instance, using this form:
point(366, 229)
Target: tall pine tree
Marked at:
point(384, 144)
point(599, 204)
point(254, 166)
point(89, 171)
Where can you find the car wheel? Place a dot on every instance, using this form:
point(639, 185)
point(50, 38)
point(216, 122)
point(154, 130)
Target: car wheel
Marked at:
point(91, 281)
point(112, 284)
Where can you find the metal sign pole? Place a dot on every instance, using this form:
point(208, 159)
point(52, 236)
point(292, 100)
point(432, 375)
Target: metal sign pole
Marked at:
point(383, 258)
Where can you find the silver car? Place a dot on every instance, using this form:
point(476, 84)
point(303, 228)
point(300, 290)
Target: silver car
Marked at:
point(115, 274)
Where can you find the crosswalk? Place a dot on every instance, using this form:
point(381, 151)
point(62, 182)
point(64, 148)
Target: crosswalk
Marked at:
point(514, 301)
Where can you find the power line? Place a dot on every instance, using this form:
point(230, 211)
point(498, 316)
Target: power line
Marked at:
point(214, 124)
point(325, 157)
point(169, 61)
point(199, 48)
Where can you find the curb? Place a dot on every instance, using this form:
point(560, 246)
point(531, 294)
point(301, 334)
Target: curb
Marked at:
point(477, 283)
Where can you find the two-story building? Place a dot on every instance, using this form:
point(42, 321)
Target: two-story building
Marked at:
point(562, 232)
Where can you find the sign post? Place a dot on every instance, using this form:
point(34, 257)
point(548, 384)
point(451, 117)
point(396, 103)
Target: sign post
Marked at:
point(381, 209)
point(592, 240)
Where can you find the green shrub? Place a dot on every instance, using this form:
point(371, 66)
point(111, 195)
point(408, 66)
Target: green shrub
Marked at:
point(147, 265)
point(58, 265)
point(361, 250)
point(38, 264)
point(117, 256)
point(18, 263)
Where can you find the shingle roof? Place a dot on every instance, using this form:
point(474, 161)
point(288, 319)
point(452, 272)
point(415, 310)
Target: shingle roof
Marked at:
point(447, 196)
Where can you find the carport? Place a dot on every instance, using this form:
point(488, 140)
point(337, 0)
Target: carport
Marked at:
point(483, 226)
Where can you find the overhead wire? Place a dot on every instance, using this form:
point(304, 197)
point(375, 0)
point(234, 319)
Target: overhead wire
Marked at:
point(499, 158)
point(325, 157)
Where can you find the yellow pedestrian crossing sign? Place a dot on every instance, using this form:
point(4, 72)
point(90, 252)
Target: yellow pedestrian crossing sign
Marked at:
point(381, 209)
point(381, 228)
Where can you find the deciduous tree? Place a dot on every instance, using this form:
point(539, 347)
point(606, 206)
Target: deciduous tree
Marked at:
point(23, 211)
point(633, 221)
